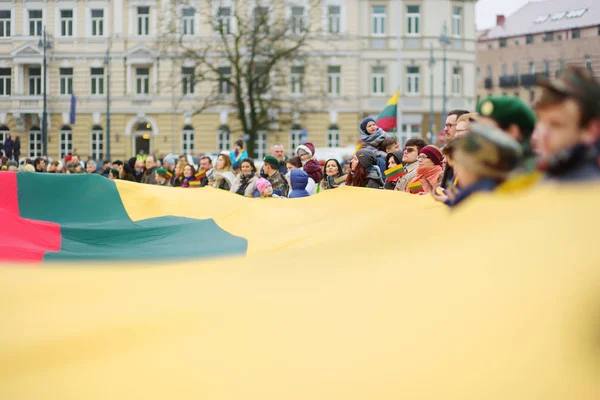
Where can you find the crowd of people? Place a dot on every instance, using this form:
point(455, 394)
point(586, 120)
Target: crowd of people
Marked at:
point(503, 140)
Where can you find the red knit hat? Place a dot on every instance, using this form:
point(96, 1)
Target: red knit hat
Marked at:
point(308, 147)
point(433, 154)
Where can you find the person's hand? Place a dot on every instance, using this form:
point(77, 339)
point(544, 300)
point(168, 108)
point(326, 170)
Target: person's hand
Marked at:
point(439, 194)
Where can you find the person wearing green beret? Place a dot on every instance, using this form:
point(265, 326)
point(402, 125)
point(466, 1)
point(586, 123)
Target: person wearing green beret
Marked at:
point(162, 177)
point(568, 128)
point(483, 159)
point(514, 117)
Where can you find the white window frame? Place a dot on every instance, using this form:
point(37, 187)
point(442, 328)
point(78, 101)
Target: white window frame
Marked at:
point(3, 132)
point(36, 80)
point(334, 136)
point(532, 68)
point(378, 20)
point(296, 137)
point(334, 80)
point(378, 78)
point(68, 23)
point(225, 20)
point(7, 23)
point(516, 69)
point(414, 132)
point(457, 25)
point(5, 82)
point(35, 141)
point(413, 21)
point(334, 23)
point(224, 87)
point(97, 142)
point(413, 81)
point(188, 23)
point(39, 22)
point(188, 84)
point(97, 22)
point(96, 82)
point(187, 140)
point(65, 140)
point(65, 84)
point(223, 138)
point(588, 62)
point(298, 23)
point(260, 145)
point(142, 82)
point(297, 80)
point(258, 6)
point(325, 17)
point(457, 81)
point(228, 20)
point(142, 21)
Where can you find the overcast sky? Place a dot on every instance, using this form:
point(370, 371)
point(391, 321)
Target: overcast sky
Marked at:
point(486, 10)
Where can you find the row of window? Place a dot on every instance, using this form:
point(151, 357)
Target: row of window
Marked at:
point(225, 20)
point(532, 68)
point(65, 81)
point(413, 81)
point(546, 37)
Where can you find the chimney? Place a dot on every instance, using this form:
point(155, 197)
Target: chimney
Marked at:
point(500, 20)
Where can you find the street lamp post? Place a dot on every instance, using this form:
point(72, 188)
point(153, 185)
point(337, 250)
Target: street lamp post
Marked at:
point(107, 63)
point(431, 64)
point(44, 44)
point(445, 41)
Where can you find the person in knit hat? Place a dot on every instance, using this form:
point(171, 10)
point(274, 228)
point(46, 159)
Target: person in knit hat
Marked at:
point(12, 166)
point(372, 138)
point(298, 181)
point(265, 189)
point(483, 159)
point(364, 171)
point(272, 174)
point(306, 152)
point(392, 160)
point(429, 171)
point(162, 177)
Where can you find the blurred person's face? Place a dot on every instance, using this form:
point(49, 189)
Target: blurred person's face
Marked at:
point(75, 159)
point(304, 157)
point(246, 168)
point(410, 154)
point(187, 171)
point(90, 169)
point(158, 178)
point(179, 169)
point(220, 163)
point(392, 162)
point(205, 164)
point(268, 191)
point(13, 168)
point(51, 168)
point(353, 163)
point(424, 161)
point(332, 169)
point(42, 165)
point(371, 127)
point(450, 127)
point(465, 178)
point(277, 152)
point(139, 164)
point(461, 129)
point(111, 176)
point(290, 166)
point(150, 163)
point(394, 147)
point(558, 128)
point(183, 159)
point(107, 165)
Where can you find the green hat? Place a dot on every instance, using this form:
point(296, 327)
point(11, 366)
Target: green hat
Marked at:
point(578, 83)
point(271, 160)
point(508, 110)
point(161, 171)
point(487, 152)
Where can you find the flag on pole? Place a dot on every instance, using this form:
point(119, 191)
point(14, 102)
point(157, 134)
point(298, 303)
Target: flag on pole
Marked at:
point(386, 119)
point(73, 107)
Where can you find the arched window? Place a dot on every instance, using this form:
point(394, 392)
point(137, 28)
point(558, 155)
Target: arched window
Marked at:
point(35, 142)
point(295, 137)
point(223, 138)
point(187, 140)
point(333, 136)
point(97, 143)
point(66, 142)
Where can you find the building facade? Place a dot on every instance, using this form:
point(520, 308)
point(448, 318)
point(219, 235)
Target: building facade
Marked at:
point(540, 38)
point(152, 102)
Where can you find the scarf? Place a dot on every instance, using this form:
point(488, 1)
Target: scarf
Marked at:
point(244, 182)
point(373, 140)
point(431, 174)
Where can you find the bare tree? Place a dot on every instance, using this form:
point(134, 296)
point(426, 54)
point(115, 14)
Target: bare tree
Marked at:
point(247, 59)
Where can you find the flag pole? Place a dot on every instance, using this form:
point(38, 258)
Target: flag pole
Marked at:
point(399, 61)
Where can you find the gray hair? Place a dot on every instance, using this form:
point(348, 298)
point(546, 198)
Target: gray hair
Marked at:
point(91, 162)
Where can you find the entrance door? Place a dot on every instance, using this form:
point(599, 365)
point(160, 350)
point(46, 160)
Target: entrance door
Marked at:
point(142, 144)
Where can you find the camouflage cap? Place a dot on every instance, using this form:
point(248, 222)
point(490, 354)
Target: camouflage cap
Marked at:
point(578, 83)
point(487, 152)
point(507, 110)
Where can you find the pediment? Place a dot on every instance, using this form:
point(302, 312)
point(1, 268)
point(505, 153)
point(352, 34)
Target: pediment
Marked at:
point(26, 50)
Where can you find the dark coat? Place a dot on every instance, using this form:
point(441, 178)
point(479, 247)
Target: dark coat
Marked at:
point(17, 150)
point(8, 148)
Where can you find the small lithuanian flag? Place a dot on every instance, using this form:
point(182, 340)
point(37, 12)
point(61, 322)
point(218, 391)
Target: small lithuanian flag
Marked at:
point(194, 183)
point(200, 174)
point(394, 173)
point(415, 187)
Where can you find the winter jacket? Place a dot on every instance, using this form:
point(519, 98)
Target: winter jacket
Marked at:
point(314, 170)
point(411, 172)
point(484, 185)
point(244, 186)
point(373, 142)
point(337, 181)
point(223, 180)
point(433, 175)
point(148, 176)
point(8, 148)
point(374, 179)
point(17, 150)
point(298, 181)
point(239, 158)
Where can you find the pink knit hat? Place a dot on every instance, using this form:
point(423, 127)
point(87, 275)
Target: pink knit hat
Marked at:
point(262, 184)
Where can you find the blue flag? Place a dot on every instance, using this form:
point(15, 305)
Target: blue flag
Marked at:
point(73, 106)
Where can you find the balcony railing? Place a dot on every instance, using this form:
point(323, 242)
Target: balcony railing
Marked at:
point(530, 79)
point(488, 83)
point(509, 81)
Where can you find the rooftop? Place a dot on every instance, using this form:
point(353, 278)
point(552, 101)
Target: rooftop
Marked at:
point(547, 16)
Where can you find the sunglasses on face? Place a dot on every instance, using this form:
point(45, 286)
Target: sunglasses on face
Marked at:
point(409, 150)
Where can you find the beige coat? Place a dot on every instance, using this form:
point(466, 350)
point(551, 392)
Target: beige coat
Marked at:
point(411, 172)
